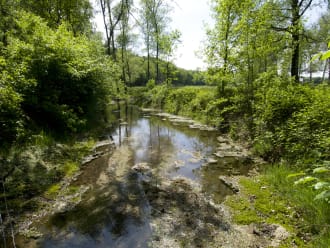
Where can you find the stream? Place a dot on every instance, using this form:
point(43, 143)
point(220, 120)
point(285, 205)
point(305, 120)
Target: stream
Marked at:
point(160, 187)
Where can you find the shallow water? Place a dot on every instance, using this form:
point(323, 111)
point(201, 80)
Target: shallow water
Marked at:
point(115, 211)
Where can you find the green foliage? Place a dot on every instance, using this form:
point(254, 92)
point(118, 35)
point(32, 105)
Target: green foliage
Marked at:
point(291, 121)
point(320, 180)
point(151, 84)
point(271, 198)
point(10, 112)
point(258, 203)
point(313, 215)
point(58, 78)
point(322, 55)
point(77, 13)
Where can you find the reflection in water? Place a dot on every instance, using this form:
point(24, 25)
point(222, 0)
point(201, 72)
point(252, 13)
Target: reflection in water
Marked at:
point(115, 212)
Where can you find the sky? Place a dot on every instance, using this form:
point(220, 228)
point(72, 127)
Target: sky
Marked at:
point(188, 17)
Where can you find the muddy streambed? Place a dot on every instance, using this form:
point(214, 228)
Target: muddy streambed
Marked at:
point(162, 186)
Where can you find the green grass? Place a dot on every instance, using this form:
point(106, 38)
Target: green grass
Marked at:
point(314, 215)
point(273, 198)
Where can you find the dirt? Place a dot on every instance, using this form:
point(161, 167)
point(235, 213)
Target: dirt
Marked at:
point(183, 217)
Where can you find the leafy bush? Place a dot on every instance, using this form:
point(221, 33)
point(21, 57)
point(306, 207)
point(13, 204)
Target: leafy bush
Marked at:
point(59, 78)
point(277, 102)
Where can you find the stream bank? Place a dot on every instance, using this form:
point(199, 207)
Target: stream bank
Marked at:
point(163, 186)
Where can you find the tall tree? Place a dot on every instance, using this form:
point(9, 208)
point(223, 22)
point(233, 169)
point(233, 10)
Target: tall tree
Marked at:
point(324, 37)
point(112, 12)
point(155, 16)
point(124, 39)
point(240, 44)
point(220, 47)
point(290, 20)
point(77, 13)
point(169, 44)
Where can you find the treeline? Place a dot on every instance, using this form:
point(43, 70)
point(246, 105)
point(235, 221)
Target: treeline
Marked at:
point(138, 75)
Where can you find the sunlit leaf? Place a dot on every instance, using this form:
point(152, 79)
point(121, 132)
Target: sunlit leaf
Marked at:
point(305, 180)
point(321, 170)
point(325, 55)
point(323, 195)
point(321, 185)
point(296, 174)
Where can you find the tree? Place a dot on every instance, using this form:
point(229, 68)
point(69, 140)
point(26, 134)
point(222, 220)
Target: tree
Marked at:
point(124, 39)
point(7, 17)
point(168, 46)
point(324, 37)
point(241, 43)
point(289, 14)
point(57, 79)
point(154, 17)
point(77, 13)
point(113, 12)
point(221, 38)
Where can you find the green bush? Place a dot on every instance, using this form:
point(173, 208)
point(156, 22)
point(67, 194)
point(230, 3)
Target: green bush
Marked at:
point(278, 102)
point(59, 78)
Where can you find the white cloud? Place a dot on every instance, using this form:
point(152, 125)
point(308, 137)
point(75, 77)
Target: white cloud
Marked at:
point(189, 17)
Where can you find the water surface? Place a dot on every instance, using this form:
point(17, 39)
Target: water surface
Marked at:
point(115, 211)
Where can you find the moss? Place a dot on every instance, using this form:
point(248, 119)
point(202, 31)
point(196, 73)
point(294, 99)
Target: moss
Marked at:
point(52, 191)
point(258, 203)
point(243, 213)
point(272, 198)
point(73, 189)
point(69, 168)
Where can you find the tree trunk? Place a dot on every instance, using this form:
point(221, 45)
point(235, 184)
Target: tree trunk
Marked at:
point(105, 26)
point(148, 57)
point(328, 60)
point(157, 54)
point(295, 40)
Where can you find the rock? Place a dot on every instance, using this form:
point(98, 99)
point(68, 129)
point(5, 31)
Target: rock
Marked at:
point(141, 167)
point(100, 148)
point(148, 110)
point(32, 233)
point(91, 157)
point(222, 140)
point(212, 161)
point(222, 154)
point(279, 235)
point(178, 163)
point(230, 182)
point(224, 147)
point(275, 232)
point(202, 127)
point(178, 119)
